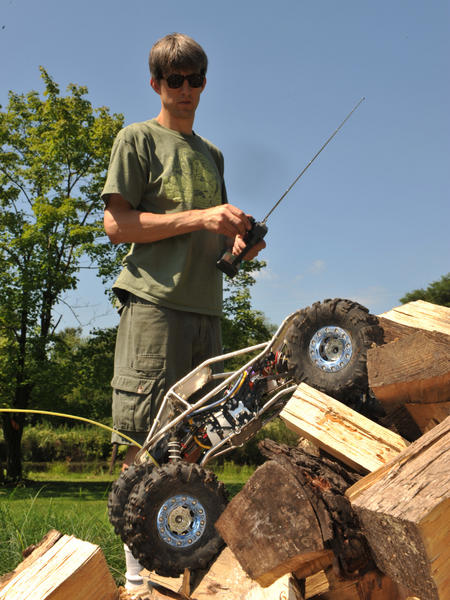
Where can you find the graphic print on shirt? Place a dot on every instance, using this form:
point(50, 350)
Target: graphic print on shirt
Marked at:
point(193, 180)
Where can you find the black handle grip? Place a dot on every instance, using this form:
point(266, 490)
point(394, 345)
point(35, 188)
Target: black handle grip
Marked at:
point(229, 263)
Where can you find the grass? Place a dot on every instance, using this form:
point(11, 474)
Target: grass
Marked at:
point(74, 504)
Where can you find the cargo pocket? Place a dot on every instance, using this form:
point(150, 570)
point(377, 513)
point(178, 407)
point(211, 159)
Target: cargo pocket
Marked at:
point(138, 392)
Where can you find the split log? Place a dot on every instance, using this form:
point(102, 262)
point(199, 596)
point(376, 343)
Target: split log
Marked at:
point(415, 371)
point(340, 431)
point(61, 567)
point(400, 420)
point(292, 516)
point(372, 585)
point(413, 316)
point(225, 580)
point(427, 415)
point(404, 510)
point(32, 553)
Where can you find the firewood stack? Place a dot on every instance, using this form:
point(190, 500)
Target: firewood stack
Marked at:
point(360, 509)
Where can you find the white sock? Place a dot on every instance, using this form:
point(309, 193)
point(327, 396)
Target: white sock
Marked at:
point(133, 574)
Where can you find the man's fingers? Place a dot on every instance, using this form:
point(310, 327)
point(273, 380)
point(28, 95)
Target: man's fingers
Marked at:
point(228, 220)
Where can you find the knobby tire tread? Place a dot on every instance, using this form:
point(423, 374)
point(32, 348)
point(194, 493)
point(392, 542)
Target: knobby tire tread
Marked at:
point(140, 532)
point(364, 331)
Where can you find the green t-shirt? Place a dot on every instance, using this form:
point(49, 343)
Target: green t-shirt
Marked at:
point(163, 171)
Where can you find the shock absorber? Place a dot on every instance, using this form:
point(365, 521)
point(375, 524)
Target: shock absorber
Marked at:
point(174, 449)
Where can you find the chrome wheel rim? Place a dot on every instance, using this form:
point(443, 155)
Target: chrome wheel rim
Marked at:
point(331, 349)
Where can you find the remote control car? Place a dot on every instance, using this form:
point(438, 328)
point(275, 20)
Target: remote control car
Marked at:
point(165, 505)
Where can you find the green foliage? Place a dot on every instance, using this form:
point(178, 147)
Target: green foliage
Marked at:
point(54, 153)
point(437, 292)
point(243, 326)
point(80, 370)
point(46, 443)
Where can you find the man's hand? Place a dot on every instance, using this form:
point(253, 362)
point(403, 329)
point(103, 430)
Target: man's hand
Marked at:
point(227, 220)
point(239, 245)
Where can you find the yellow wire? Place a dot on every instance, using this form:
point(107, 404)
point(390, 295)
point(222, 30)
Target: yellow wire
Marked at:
point(244, 375)
point(56, 414)
point(197, 441)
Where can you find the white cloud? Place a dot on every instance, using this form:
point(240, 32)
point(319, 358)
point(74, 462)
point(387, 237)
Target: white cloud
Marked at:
point(265, 275)
point(317, 266)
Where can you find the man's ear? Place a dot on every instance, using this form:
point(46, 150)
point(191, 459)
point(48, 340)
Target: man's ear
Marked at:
point(204, 83)
point(155, 84)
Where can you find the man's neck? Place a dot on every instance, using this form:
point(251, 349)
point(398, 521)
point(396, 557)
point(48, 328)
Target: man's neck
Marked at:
point(183, 125)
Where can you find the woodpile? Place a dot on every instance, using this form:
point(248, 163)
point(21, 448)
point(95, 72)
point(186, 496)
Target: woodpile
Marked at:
point(358, 510)
point(412, 370)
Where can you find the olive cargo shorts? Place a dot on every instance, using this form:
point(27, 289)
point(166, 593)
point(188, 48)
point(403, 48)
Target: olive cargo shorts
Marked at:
point(155, 347)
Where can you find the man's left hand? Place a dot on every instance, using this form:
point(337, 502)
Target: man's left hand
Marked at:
point(239, 244)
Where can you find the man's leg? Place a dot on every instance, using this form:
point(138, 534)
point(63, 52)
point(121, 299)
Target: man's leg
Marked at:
point(151, 336)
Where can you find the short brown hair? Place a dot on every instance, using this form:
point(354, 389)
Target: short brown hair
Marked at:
point(176, 51)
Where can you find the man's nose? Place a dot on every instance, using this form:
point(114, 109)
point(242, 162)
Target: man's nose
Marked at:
point(185, 86)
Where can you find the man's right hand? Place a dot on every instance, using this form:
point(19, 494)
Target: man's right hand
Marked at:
point(227, 220)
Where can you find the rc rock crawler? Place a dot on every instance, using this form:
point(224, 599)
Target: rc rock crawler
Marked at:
point(165, 509)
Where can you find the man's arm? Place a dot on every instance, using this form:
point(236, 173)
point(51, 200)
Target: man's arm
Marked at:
point(123, 224)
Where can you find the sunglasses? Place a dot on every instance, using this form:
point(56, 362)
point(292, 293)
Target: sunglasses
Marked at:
point(195, 80)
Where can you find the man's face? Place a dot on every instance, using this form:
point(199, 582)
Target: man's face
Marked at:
point(181, 102)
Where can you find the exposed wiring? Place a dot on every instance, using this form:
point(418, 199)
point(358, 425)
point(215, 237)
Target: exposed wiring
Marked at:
point(199, 443)
point(56, 414)
point(196, 440)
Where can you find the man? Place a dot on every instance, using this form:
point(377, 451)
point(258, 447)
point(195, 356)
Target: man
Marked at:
point(165, 194)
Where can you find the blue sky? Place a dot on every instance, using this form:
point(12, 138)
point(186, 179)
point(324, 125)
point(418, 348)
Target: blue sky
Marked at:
point(370, 219)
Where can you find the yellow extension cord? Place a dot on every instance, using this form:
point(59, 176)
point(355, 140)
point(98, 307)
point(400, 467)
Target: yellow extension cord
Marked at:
point(56, 414)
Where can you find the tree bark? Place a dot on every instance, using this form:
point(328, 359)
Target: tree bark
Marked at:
point(12, 432)
point(292, 516)
point(404, 510)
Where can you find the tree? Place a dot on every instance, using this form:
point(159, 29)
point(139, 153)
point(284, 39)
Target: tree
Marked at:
point(243, 326)
point(54, 153)
point(90, 393)
point(79, 373)
point(437, 292)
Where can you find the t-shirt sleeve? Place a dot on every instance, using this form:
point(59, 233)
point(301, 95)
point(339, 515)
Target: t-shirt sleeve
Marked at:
point(127, 171)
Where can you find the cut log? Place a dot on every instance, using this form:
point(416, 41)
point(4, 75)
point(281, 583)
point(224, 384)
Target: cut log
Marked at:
point(414, 371)
point(292, 516)
point(32, 553)
point(415, 368)
point(400, 420)
point(404, 510)
point(418, 315)
point(226, 580)
point(270, 525)
point(427, 415)
point(373, 585)
point(61, 567)
point(340, 431)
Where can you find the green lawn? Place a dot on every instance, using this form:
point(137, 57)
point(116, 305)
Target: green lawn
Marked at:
point(72, 504)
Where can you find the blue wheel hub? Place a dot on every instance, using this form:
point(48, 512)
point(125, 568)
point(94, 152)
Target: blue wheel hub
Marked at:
point(181, 521)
